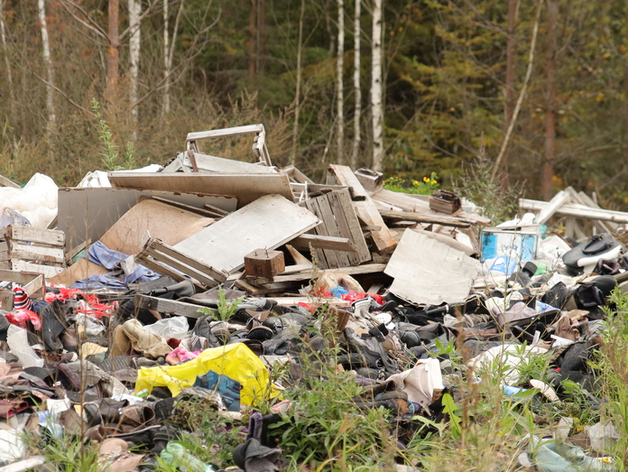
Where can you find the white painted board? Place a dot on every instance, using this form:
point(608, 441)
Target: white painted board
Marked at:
point(427, 271)
point(268, 222)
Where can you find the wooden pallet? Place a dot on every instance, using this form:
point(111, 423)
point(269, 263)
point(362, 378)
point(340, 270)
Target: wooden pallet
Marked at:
point(339, 219)
point(30, 249)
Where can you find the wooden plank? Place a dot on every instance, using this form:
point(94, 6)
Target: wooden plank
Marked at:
point(297, 175)
point(48, 270)
point(268, 222)
point(183, 206)
point(349, 225)
point(321, 259)
point(365, 209)
point(165, 269)
point(329, 260)
point(419, 204)
point(11, 250)
point(214, 209)
point(422, 218)
point(577, 211)
point(47, 237)
point(293, 301)
point(88, 213)
point(8, 182)
point(297, 256)
point(553, 205)
point(173, 307)
point(80, 270)
point(245, 187)
point(161, 247)
point(308, 274)
point(331, 228)
point(343, 175)
point(34, 283)
point(175, 264)
point(160, 220)
point(335, 243)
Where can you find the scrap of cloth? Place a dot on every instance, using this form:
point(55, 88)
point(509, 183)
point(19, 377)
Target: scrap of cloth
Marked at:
point(100, 254)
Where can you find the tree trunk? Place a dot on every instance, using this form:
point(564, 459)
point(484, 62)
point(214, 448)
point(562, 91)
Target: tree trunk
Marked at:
point(297, 95)
point(113, 50)
point(166, 106)
point(513, 6)
point(377, 109)
point(135, 10)
point(41, 7)
point(356, 85)
point(252, 33)
point(340, 128)
point(261, 36)
point(7, 61)
point(624, 105)
point(550, 112)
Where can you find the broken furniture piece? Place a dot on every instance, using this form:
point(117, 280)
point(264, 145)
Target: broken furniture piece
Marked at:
point(24, 248)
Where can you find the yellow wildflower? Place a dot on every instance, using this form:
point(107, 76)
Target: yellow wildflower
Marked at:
point(426, 179)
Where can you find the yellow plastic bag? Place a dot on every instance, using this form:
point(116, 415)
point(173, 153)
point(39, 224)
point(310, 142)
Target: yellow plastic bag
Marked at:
point(236, 361)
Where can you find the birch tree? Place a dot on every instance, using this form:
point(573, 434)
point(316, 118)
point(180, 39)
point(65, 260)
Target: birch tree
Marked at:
point(113, 48)
point(357, 91)
point(5, 51)
point(135, 10)
point(377, 107)
point(45, 42)
point(340, 122)
point(297, 93)
point(169, 47)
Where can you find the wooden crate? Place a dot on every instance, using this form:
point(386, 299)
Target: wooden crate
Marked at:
point(23, 248)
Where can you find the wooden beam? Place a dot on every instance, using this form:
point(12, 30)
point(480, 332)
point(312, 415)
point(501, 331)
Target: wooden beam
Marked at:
point(423, 218)
point(577, 211)
point(365, 208)
point(552, 206)
point(162, 305)
point(8, 182)
point(308, 274)
point(183, 206)
point(335, 243)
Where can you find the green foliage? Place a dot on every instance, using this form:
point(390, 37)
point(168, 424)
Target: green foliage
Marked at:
point(205, 432)
point(324, 427)
point(428, 186)
point(109, 152)
point(70, 454)
point(225, 308)
point(612, 368)
point(499, 203)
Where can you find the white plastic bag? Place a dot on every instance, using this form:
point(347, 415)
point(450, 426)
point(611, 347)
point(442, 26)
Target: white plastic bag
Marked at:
point(175, 327)
point(18, 342)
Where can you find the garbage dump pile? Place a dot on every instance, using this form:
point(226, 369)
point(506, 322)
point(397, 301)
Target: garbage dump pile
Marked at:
point(204, 279)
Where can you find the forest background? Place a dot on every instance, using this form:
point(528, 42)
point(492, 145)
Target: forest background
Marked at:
point(536, 88)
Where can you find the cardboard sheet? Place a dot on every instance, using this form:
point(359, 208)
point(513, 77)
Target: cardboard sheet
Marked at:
point(426, 271)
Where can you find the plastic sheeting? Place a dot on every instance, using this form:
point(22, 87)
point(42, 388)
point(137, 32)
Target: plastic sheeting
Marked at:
point(236, 361)
point(36, 201)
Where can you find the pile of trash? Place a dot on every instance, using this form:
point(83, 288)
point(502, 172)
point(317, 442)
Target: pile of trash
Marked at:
point(196, 279)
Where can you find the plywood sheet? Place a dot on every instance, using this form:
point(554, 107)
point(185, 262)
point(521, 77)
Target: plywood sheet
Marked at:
point(82, 269)
point(245, 187)
point(87, 213)
point(162, 221)
point(426, 271)
point(268, 223)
